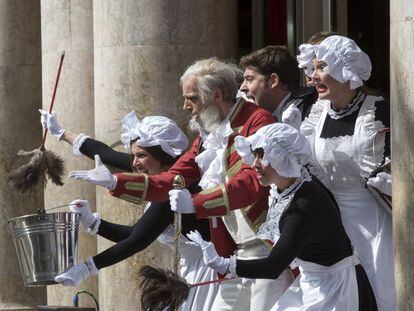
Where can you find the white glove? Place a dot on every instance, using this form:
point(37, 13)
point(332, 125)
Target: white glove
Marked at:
point(210, 256)
point(181, 201)
point(100, 175)
point(87, 219)
point(77, 273)
point(49, 121)
point(292, 116)
point(382, 182)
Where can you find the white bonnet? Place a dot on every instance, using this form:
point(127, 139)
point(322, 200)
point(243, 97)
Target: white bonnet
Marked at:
point(153, 131)
point(345, 60)
point(285, 148)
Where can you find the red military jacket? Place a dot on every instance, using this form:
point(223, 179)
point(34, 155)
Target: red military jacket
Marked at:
point(242, 191)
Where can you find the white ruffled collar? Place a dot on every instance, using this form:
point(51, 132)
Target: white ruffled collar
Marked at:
point(278, 203)
point(351, 107)
point(279, 196)
point(210, 161)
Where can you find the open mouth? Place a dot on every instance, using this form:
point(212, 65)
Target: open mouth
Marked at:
point(321, 88)
point(260, 174)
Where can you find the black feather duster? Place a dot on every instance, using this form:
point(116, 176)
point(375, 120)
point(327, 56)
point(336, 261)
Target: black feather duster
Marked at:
point(54, 167)
point(43, 163)
point(161, 288)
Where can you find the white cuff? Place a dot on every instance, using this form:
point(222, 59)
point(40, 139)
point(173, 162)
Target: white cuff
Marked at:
point(59, 135)
point(77, 143)
point(115, 182)
point(233, 265)
point(95, 228)
point(93, 270)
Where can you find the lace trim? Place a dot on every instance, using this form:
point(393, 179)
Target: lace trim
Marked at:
point(308, 128)
point(269, 230)
point(351, 108)
point(373, 155)
point(310, 123)
point(233, 265)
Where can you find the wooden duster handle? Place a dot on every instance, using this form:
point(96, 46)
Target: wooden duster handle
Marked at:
point(178, 184)
point(62, 56)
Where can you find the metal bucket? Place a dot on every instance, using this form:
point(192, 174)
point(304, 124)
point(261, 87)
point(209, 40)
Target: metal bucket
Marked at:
point(46, 245)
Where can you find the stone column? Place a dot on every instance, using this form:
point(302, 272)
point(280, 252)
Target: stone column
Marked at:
point(20, 97)
point(141, 49)
point(67, 25)
point(402, 113)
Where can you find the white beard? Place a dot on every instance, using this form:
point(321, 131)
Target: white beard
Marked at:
point(193, 125)
point(210, 118)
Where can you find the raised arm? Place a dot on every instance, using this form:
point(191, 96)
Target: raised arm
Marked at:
point(83, 144)
point(109, 156)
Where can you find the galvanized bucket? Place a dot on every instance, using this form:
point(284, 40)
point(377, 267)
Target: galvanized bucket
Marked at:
point(46, 245)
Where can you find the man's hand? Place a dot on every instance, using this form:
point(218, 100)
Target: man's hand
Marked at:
point(49, 121)
point(100, 175)
point(181, 201)
point(210, 256)
point(382, 182)
point(292, 116)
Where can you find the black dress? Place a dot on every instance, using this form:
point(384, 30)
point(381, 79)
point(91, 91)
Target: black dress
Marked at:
point(311, 230)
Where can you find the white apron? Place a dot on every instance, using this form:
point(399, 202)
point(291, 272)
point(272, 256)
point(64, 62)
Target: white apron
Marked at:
point(324, 288)
point(341, 163)
point(193, 270)
point(242, 293)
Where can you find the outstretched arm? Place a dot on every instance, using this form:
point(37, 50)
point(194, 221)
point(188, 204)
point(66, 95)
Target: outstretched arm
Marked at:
point(136, 238)
point(83, 144)
point(292, 239)
point(109, 156)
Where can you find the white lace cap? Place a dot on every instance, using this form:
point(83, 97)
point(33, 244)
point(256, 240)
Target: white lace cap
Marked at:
point(285, 148)
point(345, 60)
point(153, 131)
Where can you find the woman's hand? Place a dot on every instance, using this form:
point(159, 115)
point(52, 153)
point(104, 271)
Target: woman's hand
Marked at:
point(382, 182)
point(210, 256)
point(49, 121)
point(77, 273)
point(100, 175)
point(90, 222)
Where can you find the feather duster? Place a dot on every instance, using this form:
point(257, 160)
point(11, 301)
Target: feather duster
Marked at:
point(43, 162)
point(161, 288)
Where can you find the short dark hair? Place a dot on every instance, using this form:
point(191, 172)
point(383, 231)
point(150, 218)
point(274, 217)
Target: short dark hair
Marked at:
point(274, 59)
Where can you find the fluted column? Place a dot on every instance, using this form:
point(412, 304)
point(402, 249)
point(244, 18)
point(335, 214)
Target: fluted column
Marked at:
point(141, 49)
point(20, 97)
point(402, 113)
point(67, 25)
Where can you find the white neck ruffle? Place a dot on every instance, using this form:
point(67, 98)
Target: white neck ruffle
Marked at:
point(278, 203)
point(351, 107)
point(211, 160)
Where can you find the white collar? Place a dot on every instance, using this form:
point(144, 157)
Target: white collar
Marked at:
point(352, 106)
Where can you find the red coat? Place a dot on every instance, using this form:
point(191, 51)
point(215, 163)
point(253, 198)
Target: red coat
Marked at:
point(242, 191)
